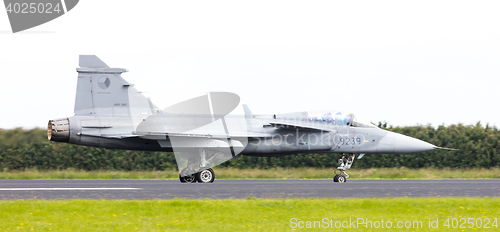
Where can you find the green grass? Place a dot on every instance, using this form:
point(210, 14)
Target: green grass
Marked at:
point(277, 173)
point(238, 215)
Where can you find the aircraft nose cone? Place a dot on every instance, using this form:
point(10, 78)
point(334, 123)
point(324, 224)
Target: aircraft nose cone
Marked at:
point(406, 144)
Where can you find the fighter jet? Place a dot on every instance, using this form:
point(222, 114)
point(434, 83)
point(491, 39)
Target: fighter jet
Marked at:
point(203, 132)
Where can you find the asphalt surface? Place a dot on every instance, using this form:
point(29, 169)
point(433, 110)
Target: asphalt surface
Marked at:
point(237, 189)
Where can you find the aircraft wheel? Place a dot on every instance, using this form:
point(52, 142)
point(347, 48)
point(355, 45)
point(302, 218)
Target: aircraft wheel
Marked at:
point(205, 176)
point(339, 178)
point(187, 178)
point(190, 178)
point(182, 179)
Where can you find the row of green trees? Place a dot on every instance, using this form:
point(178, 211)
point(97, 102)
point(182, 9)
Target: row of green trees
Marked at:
point(478, 147)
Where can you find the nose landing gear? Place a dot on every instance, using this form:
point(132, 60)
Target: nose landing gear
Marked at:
point(339, 178)
point(340, 174)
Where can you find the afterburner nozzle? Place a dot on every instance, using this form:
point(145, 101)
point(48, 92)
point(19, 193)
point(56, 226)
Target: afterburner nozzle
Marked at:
point(58, 130)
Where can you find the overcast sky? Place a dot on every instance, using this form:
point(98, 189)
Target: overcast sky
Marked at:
point(404, 62)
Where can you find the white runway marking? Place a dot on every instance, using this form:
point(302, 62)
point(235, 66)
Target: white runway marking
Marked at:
point(30, 189)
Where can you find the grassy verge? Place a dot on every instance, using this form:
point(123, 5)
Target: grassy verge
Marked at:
point(249, 214)
point(277, 173)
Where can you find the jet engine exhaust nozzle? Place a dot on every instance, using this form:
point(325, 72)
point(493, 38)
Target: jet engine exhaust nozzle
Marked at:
point(58, 130)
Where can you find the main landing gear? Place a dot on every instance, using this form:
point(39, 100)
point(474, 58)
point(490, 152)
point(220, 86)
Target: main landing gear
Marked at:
point(340, 174)
point(203, 176)
point(191, 174)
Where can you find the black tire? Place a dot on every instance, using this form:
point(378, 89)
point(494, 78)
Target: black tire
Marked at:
point(339, 178)
point(190, 178)
point(205, 176)
point(187, 178)
point(182, 179)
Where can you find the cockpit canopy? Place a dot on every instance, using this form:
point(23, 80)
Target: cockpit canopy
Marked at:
point(337, 118)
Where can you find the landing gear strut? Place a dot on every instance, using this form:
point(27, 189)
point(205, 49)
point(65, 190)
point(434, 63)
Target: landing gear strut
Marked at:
point(340, 174)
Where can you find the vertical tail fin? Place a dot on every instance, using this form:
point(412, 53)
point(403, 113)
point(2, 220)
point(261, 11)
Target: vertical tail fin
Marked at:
point(101, 90)
point(91, 61)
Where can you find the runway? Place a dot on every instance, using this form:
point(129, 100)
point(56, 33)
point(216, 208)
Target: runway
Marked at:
point(243, 188)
